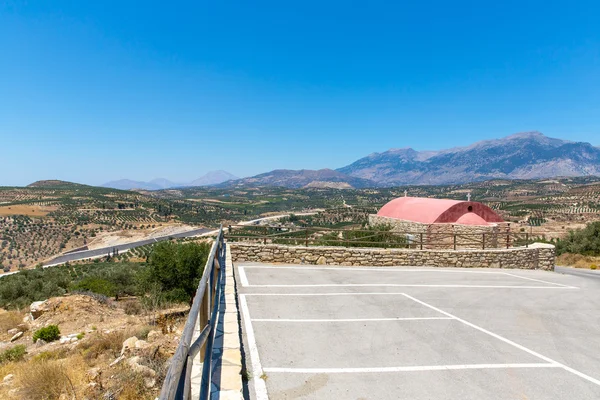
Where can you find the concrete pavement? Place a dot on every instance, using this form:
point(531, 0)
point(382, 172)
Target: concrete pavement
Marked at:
point(419, 333)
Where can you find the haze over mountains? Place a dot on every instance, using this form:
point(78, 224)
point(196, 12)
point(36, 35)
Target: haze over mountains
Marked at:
point(210, 178)
point(527, 155)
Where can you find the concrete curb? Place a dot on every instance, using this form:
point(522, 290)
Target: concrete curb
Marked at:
point(231, 365)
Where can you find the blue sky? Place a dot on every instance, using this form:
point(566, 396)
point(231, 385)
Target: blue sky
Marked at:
point(92, 91)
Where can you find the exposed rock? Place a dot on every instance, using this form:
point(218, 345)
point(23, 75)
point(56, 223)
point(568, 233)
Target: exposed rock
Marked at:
point(13, 331)
point(37, 308)
point(94, 375)
point(154, 335)
point(128, 344)
point(17, 336)
point(118, 360)
point(40, 343)
point(8, 379)
point(147, 373)
point(321, 261)
point(140, 344)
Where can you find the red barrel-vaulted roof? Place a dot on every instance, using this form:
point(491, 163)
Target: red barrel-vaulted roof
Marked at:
point(430, 211)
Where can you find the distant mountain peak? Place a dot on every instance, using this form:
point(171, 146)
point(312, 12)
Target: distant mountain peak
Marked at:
point(526, 135)
point(524, 155)
point(210, 178)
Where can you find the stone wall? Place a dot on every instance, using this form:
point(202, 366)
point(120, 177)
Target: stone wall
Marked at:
point(536, 256)
point(442, 236)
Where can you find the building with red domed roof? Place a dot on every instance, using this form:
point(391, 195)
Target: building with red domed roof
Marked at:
point(465, 223)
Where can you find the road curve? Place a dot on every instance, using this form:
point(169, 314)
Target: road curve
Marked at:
point(82, 255)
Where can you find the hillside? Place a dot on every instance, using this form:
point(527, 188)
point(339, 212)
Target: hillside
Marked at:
point(529, 155)
point(54, 183)
point(302, 178)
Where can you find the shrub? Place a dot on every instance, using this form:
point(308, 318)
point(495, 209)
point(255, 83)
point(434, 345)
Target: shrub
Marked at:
point(109, 344)
point(16, 353)
point(96, 285)
point(176, 268)
point(132, 308)
point(582, 241)
point(49, 333)
point(593, 266)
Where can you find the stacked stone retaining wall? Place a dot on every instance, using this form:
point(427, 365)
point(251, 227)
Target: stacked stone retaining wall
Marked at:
point(536, 256)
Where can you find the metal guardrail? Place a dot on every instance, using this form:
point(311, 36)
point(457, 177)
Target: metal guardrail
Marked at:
point(204, 314)
point(317, 236)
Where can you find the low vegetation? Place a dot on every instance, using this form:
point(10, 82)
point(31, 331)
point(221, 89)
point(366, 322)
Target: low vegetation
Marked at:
point(582, 241)
point(16, 353)
point(48, 333)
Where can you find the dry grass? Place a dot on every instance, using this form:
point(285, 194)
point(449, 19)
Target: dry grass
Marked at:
point(9, 320)
point(103, 344)
point(49, 380)
point(31, 210)
point(577, 261)
point(129, 385)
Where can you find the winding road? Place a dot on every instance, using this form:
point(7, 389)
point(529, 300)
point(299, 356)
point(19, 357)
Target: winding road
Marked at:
point(82, 255)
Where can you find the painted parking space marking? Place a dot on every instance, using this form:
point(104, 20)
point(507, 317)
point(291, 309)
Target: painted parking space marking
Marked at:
point(418, 368)
point(508, 341)
point(352, 319)
point(260, 387)
point(547, 284)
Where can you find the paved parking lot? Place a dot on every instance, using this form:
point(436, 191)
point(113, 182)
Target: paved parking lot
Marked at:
point(314, 332)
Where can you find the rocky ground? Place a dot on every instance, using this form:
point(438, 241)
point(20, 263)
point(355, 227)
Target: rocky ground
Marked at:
point(106, 350)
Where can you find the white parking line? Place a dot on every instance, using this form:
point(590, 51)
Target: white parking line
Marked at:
point(243, 277)
point(535, 280)
point(508, 341)
point(380, 269)
point(260, 388)
point(409, 285)
point(417, 368)
point(352, 319)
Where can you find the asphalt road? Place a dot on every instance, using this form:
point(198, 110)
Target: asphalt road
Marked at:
point(587, 273)
point(314, 332)
point(81, 255)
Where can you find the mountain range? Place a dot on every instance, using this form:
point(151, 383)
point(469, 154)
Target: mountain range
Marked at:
point(526, 155)
point(210, 178)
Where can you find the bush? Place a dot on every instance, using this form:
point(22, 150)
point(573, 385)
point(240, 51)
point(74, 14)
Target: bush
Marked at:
point(177, 269)
point(132, 308)
point(16, 353)
point(96, 285)
point(582, 241)
point(109, 344)
point(49, 333)
point(593, 266)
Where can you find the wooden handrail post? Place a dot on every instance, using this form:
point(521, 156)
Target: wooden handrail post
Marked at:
point(483, 240)
point(421, 240)
point(455, 241)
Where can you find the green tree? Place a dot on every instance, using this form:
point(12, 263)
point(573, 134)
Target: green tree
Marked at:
point(582, 241)
point(177, 268)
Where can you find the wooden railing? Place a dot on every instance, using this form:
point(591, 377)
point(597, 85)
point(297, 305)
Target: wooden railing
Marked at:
point(204, 314)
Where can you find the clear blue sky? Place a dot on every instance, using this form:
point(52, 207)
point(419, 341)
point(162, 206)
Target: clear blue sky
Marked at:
point(92, 91)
